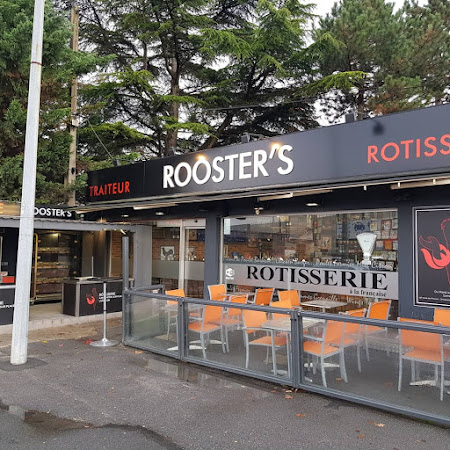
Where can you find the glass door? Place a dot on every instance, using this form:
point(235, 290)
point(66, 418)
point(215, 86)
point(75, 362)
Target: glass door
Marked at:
point(193, 266)
point(178, 255)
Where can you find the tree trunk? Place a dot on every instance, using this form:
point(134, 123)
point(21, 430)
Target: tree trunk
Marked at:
point(212, 140)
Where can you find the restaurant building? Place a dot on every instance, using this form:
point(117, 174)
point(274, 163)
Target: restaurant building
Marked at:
point(67, 251)
point(285, 212)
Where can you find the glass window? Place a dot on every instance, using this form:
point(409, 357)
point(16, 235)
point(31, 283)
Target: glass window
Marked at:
point(318, 254)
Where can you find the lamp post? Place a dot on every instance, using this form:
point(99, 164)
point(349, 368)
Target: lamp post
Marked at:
point(19, 344)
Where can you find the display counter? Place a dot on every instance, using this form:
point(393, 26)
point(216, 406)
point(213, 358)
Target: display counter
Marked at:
point(84, 296)
point(7, 293)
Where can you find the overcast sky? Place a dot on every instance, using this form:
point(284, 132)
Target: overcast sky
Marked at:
point(324, 6)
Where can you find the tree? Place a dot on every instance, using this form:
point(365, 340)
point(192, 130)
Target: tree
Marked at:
point(193, 74)
point(377, 61)
point(59, 66)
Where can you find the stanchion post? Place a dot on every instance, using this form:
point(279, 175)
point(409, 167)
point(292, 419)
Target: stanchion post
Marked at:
point(105, 342)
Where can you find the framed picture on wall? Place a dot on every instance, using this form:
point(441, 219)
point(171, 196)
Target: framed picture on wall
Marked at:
point(386, 224)
point(192, 235)
point(225, 251)
point(394, 224)
point(252, 240)
point(190, 253)
point(167, 253)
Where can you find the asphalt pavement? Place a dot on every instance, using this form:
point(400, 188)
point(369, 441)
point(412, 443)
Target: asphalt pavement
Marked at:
point(74, 396)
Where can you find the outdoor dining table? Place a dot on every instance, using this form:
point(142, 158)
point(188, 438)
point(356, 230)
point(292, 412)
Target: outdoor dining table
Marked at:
point(229, 295)
point(324, 304)
point(283, 324)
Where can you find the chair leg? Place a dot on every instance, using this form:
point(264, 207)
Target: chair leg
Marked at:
point(202, 341)
point(400, 371)
point(413, 370)
point(358, 356)
point(322, 368)
point(168, 324)
point(288, 351)
point(247, 350)
point(222, 340)
point(274, 357)
point(366, 344)
point(442, 381)
point(342, 365)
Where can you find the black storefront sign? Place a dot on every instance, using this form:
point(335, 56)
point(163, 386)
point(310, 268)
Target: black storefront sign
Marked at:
point(399, 145)
point(432, 256)
point(53, 212)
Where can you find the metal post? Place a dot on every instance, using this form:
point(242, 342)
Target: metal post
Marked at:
point(105, 342)
point(19, 344)
point(126, 322)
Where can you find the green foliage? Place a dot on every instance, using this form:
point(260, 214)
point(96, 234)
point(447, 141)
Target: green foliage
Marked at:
point(404, 56)
point(197, 73)
point(59, 66)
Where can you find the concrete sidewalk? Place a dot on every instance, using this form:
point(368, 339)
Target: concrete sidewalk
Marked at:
point(73, 395)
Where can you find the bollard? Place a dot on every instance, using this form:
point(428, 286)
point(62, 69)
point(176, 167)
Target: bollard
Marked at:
point(105, 342)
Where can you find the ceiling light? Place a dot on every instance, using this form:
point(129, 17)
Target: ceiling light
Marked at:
point(312, 192)
point(153, 206)
point(159, 213)
point(275, 197)
point(125, 215)
point(312, 204)
point(423, 183)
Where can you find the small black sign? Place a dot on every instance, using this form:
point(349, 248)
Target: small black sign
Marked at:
point(53, 212)
point(91, 298)
point(432, 256)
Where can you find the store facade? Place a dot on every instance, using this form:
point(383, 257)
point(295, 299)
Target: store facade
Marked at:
point(285, 212)
point(64, 248)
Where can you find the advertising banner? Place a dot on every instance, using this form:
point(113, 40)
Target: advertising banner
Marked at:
point(432, 256)
point(327, 280)
point(91, 298)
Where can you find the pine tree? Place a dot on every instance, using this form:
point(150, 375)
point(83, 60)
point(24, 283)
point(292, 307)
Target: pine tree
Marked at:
point(193, 74)
point(59, 66)
point(377, 61)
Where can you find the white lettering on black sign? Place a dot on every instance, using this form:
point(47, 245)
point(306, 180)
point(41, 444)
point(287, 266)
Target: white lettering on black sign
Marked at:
point(52, 212)
point(240, 166)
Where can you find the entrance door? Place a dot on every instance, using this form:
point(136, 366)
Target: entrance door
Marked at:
point(193, 266)
point(178, 254)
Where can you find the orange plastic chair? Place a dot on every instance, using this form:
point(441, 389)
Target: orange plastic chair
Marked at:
point(329, 345)
point(422, 346)
point(265, 337)
point(171, 313)
point(286, 304)
point(291, 296)
point(442, 317)
point(352, 333)
point(211, 321)
point(263, 296)
point(215, 291)
point(232, 317)
point(377, 310)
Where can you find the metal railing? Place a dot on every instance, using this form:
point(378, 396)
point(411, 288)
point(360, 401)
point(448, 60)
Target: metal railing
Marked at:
point(171, 326)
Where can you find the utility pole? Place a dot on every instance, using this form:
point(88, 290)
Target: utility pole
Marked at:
point(72, 170)
point(19, 344)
